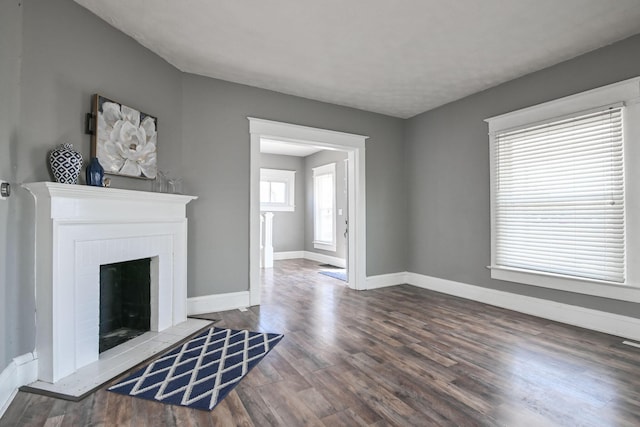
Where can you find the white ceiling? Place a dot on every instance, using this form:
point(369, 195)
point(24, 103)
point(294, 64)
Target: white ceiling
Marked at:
point(270, 146)
point(399, 57)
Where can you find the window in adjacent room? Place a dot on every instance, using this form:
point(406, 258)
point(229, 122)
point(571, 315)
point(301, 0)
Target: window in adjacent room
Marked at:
point(324, 203)
point(277, 190)
point(558, 191)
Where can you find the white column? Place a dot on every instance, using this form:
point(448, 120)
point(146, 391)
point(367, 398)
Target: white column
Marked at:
point(268, 240)
point(261, 240)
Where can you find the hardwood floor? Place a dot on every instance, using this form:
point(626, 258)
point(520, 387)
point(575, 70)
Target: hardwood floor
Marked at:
point(394, 356)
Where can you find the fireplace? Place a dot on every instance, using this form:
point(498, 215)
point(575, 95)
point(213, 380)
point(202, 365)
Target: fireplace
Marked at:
point(125, 302)
point(80, 229)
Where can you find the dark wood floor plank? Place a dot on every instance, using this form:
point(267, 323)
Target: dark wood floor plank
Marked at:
point(240, 415)
point(119, 409)
point(37, 412)
point(287, 407)
point(344, 419)
point(14, 412)
point(256, 407)
point(77, 414)
point(394, 356)
point(341, 397)
point(97, 414)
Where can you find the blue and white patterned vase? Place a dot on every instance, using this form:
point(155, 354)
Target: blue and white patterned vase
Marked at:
point(65, 164)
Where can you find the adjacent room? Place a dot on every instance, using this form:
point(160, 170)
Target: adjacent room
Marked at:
point(303, 210)
point(357, 213)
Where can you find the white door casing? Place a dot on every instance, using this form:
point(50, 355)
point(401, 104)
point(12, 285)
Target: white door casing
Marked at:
point(354, 145)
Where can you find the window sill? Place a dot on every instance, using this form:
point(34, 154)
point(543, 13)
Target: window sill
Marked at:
point(277, 208)
point(617, 291)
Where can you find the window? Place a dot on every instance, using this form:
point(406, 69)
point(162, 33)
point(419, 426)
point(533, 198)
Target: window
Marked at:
point(324, 203)
point(560, 197)
point(277, 190)
point(558, 192)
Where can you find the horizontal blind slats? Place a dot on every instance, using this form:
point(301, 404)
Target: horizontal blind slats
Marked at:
point(536, 147)
point(559, 197)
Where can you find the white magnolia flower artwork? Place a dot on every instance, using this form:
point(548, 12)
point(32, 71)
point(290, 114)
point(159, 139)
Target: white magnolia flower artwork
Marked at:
point(125, 140)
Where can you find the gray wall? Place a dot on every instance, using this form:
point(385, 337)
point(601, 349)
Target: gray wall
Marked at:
point(319, 159)
point(216, 158)
point(12, 341)
point(447, 157)
point(67, 55)
point(288, 227)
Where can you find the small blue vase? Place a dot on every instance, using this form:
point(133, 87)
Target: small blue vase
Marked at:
point(95, 172)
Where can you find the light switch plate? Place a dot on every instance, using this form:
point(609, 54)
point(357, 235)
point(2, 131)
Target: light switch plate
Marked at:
point(5, 190)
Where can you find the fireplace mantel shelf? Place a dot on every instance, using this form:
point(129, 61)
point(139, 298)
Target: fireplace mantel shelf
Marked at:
point(55, 189)
point(86, 203)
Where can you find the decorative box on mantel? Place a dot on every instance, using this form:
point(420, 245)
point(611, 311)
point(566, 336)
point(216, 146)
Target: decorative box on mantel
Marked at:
point(78, 229)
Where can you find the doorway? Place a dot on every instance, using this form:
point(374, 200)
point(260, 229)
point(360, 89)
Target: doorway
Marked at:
point(354, 146)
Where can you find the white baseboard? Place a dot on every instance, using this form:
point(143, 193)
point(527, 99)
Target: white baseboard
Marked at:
point(601, 321)
point(21, 371)
point(218, 302)
point(327, 259)
point(384, 280)
point(277, 256)
point(312, 256)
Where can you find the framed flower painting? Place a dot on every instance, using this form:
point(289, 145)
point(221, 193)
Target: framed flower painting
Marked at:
point(124, 139)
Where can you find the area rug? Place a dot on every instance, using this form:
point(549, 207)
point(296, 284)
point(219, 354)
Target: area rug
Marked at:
point(201, 372)
point(336, 274)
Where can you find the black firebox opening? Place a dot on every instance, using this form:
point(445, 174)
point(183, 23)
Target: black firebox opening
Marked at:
point(125, 301)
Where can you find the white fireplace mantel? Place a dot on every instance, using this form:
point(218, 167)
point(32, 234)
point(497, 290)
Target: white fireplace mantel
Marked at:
point(79, 228)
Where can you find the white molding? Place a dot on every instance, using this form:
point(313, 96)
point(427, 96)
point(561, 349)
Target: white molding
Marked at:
point(217, 302)
point(56, 189)
point(331, 247)
point(21, 371)
point(311, 256)
point(615, 291)
point(626, 90)
point(328, 169)
point(609, 323)
point(271, 208)
point(278, 256)
point(288, 132)
point(327, 259)
point(385, 280)
point(354, 145)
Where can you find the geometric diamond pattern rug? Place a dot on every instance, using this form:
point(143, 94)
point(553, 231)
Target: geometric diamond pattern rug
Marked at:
point(201, 372)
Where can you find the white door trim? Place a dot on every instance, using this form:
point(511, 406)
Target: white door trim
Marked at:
point(354, 145)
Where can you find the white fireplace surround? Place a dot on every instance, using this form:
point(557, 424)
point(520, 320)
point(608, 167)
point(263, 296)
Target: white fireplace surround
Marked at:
point(78, 229)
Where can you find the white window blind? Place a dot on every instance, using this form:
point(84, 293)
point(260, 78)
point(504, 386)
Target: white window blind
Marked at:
point(559, 197)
